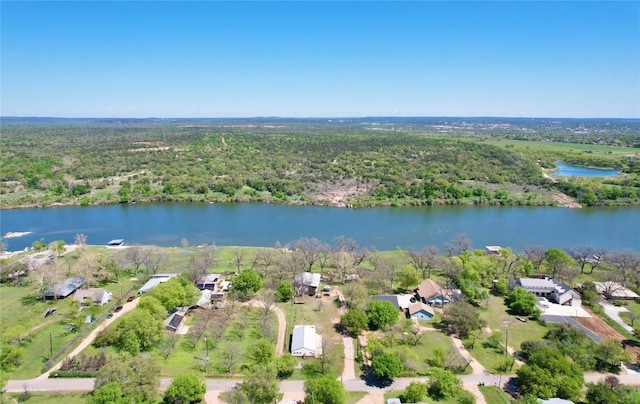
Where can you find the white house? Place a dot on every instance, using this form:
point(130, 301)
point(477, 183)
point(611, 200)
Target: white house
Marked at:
point(306, 282)
point(97, 296)
point(304, 341)
point(552, 289)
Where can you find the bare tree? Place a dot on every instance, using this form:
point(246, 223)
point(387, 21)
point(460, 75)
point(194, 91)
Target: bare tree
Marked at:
point(238, 255)
point(424, 260)
point(230, 356)
point(386, 269)
point(458, 245)
point(80, 240)
point(355, 295)
point(586, 255)
point(310, 248)
point(264, 260)
point(325, 354)
point(343, 261)
point(536, 255)
point(626, 263)
point(136, 256)
point(200, 263)
point(450, 271)
point(167, 344)
point(156, 260)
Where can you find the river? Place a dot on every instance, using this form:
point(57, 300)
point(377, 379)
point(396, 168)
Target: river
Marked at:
point(167, 224)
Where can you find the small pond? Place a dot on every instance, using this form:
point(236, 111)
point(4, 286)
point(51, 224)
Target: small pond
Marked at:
point(566, 170)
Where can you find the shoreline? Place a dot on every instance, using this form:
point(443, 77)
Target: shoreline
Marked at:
point(16, 234)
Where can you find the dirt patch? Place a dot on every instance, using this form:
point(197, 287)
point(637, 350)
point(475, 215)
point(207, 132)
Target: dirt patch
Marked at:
point(565, 201)
point(338, 194)
point(599, 327)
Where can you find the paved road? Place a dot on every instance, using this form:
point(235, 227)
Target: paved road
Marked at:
point(614, 313)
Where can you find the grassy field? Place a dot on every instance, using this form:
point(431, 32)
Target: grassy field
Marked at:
point(45, 398)
point(323, 313)
point(494, 395)
point(596, 150)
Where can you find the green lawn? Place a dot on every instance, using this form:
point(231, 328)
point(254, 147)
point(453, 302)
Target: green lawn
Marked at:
point(494, 395)
point(47, 398)
point(397, 394)
point(498, 320)
point(596, 150)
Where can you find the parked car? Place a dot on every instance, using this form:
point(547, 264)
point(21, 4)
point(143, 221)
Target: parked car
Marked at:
point(118, 309)
point(50, 312)
point(110, 315)
point(131, 298)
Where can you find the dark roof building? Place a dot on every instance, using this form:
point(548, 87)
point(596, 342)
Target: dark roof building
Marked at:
point(63, 289)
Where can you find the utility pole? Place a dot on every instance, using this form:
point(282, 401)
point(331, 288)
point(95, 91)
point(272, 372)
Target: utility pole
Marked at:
point(206, 359)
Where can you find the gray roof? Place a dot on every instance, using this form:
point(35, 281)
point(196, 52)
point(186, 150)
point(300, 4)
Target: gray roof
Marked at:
point(304, 336)
point(308, 279)
point(65, 288)
point(155, 280)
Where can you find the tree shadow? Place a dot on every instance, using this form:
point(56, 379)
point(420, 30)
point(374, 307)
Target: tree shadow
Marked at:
point(371, 380)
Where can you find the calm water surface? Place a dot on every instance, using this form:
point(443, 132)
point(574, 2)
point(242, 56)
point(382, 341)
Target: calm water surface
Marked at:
point(566, 170)
point(166, 224)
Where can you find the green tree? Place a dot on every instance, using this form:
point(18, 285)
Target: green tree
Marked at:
point(522, 302)
point(548, 373)
point(137, 376)
point(247, 282)
point(386, 366)
point(153, 306)
point(261, 383)
point(602, 393)
point(10, 356)
point(443, 383)
point(110, 393)
point(185, 389)
point(381, 314)
point(355, 321)
point(324, 390)
point(609, 354)
point(414, 393)
point(140, 329)
point(408, 278)
point(462, 318)
point(285, 291)
point(556, 260)
point(176, 292)
point(262, 352)
point(286, 365)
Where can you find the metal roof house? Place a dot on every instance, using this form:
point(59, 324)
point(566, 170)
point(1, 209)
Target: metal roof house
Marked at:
point(63, 289)
point(155, 280)
point(306, 282)
point(304, 341)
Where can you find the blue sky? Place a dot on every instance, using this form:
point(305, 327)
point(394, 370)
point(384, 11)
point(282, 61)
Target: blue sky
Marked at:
point(315, 59)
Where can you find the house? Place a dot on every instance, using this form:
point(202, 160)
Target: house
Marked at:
point(174, 321)
point(352, 278)
point(614, 290)
point(116, 243)
point(492, 249)
point(306, 283)
point(432, 293)
point(401, 302)
point(304, 341)
point(555, 400)
point(63, 289)
point(155, 280)
point(207, 281)
point(420, 311)
point(97, 296)
point(553, 290)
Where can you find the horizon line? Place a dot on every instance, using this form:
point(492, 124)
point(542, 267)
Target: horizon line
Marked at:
point(313, 117)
